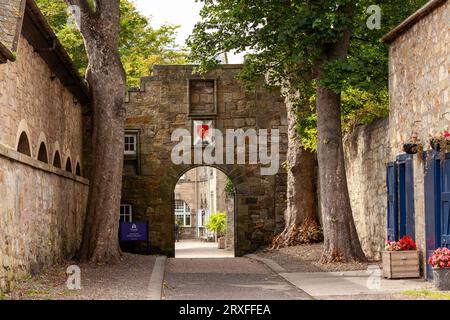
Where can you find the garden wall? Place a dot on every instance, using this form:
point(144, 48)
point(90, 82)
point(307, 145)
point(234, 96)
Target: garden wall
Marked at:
point(366, 154)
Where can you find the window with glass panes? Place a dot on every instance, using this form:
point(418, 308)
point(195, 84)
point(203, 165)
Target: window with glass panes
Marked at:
point(126, 213)
point(182, 213)
point(130, 143)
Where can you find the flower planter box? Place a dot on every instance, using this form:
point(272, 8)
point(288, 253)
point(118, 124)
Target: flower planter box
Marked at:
point(401, 264)
point(441, 278)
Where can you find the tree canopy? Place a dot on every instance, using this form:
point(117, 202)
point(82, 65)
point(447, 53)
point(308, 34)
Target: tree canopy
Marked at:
point(283, 40)
point(140, 45)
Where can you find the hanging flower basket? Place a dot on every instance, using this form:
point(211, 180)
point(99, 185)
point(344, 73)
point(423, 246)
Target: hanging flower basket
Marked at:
point(413, 145)
point(411, 148)
point(435, 144)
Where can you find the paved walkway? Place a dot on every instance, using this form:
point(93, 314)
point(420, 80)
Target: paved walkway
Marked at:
point(345, 284)
point(227, 279)
point(199, 249)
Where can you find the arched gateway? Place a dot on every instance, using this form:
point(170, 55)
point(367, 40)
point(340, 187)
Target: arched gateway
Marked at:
point(174, 98)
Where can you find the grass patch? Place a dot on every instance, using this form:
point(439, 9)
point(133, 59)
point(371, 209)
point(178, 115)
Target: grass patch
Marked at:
point(435, 295)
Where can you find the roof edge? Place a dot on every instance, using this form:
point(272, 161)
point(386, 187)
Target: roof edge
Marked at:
point(59, 50)
point(412, 20)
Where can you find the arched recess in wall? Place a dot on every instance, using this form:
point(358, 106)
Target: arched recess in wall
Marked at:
point(78, 169)
point(69, 165)
point(42, 153)
point(24, 144)
point(78, 166)
point(57, 160)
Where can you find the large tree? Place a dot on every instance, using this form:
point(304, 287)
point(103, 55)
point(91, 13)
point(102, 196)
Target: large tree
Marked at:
point(99, 25)
point(140, 45)
point(315, 49)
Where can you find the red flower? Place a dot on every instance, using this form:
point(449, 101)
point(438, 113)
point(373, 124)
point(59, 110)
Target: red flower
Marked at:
point(440, 258)
point(407, 243)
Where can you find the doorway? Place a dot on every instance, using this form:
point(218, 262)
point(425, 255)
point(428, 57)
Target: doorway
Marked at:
point(204, 214)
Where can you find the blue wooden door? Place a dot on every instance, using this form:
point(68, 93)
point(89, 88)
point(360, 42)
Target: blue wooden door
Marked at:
point(392, 214)
point(406, 196)
point(432, 190)
point(445, 202)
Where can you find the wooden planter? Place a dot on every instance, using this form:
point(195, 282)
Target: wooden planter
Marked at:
point(401, 264)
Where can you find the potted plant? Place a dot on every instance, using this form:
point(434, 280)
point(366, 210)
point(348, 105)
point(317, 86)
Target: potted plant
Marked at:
point(414, 145)
point(217, 223)
point(440, 260)
point(401, 259)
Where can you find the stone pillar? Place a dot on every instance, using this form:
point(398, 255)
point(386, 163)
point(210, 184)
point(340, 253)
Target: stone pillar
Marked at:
point(229, 207)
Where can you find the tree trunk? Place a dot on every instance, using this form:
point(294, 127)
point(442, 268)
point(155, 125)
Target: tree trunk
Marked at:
point(106, 79)
point(301, 217)
point(341, 242)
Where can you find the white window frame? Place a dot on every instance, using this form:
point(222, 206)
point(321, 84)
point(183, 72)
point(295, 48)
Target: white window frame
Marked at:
point(182, 210)
point(126, 213)
point(133, 144)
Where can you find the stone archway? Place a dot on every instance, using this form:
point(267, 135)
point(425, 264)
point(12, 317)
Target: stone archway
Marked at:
point(236, 195)
point(166, 102)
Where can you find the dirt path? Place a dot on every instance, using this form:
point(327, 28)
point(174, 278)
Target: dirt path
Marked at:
point(127, 280)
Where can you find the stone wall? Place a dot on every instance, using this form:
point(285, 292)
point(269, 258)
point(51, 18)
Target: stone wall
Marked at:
point(43, 207)
point(159, 107)
point(41, 215)
point(366, 153)
point(35, 102)
point(420, 94)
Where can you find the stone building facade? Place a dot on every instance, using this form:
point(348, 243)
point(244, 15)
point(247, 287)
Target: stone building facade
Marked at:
point(419, 88)
point(42, 183)
point(173, 97)
point(393, 193)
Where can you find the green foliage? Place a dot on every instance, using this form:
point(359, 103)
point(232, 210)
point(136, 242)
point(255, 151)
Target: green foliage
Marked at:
point(229, 187)
point(180, 223)
point(286, 41)
point(217, 223)
point(140, 45)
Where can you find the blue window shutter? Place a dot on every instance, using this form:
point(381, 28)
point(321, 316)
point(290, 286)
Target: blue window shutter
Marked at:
point(445, 202)
point(392, 214)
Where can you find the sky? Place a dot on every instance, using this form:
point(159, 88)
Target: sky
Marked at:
point(184, 13)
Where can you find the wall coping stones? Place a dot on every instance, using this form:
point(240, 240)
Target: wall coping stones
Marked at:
point(36, 164)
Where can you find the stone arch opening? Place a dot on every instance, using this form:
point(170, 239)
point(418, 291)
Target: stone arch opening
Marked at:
point(68, 165)
point(24, 144)
point(78, 169)
point(42, 153)
point(202, 194)
point(57, 160)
